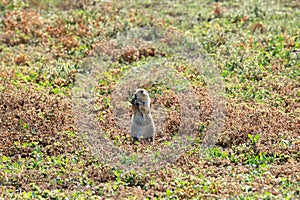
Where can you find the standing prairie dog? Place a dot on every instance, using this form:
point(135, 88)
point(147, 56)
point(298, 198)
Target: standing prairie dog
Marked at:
point(142, 126)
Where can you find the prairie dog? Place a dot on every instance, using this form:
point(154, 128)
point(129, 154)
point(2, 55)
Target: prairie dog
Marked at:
point(142, 126)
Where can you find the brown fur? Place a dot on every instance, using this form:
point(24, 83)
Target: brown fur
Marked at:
point(142, 127)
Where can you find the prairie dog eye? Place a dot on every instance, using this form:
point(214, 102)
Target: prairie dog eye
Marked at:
point(142, 91)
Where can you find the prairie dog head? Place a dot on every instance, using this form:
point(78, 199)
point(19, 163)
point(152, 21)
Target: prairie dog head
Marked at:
point(141, 97)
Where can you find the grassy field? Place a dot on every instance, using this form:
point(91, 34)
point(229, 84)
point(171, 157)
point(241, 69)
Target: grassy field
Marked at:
point(46, 47)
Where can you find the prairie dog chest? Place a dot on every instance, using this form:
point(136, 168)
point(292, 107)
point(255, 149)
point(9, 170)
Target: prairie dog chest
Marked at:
point(141, 119)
